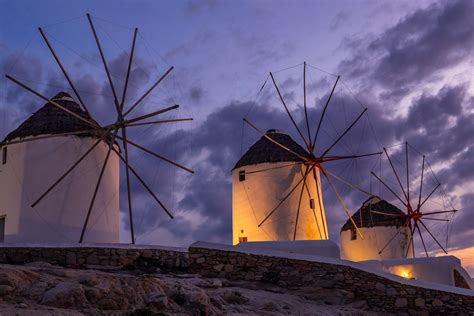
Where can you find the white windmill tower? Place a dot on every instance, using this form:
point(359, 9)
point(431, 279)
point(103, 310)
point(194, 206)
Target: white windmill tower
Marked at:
point(30, 160)
point(59, 177)
point(276, 185)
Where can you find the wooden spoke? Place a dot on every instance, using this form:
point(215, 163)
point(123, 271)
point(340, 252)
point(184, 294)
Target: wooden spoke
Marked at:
point(396, 174)
point(440, 212)
point(429, 195)
point(155, 154)
point(92, 124)
point(305, 109)
point(344, 133)
point(320, 204)
point(386, 214)
point(396, 195)
point(421, 183)
point(104, 135)
point(288, 111)
point(148, 91)
point(63, 70)
point(429, 232)
point(143, 183)
point(342, 203)
point(346, 182)
point(421, 237)
point(312, 208)
point(273, 168)
point(129, 194)
point(299, 202)
point(324, 112)
point(275, 142)
point(8, 143)
point(139, 118)
point(283, 200)
point(436, 219)
point(337, 158)
point(127, 77)
point(160, 122)
point(91, 205)
point(391, 239)
point(410, 242)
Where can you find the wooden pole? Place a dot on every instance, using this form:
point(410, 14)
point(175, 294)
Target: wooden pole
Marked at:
point(429, 232)
point(421, 237)
point(148, 91)
point(337, 158)
point(347, 182)
point(429, 195)
point(421, 183)
point(288, 111)
point(408, 170)
point(299, 202)
point(129, 195)
point(396, 174)
point(310, 149)
point(396, 195)
point(160, 122)
point(319, 202)
point(63, 70)
point(128, 70)
point(411, 245)
point(139, 118)
point(312, 208)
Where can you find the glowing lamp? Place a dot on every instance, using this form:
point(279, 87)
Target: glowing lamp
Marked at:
point(406, 274)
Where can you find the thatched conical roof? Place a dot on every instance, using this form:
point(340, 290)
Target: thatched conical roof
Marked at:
point(266, 151)
point(52, 120)
point(364, 217)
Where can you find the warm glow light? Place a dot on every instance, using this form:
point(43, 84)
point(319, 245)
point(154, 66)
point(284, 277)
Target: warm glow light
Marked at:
point(406, 274)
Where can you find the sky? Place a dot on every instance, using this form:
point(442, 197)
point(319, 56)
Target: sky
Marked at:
point(409, 62)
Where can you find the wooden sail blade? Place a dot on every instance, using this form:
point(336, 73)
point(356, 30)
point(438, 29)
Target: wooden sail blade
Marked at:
point(422, 240)
point(342, 203)
point(421, 182)
point(305, 108)
point(396, 174)
point(104, 135)
point(127, 77)
point(344, 133)
point(174, 163)
point(337, 158)
point(396, 195)
point(408, 170)
point(283, 200)
point(275, 142)
point(139, 118)
point(440, 212)
point(346, 182)
point(104, 62)
point(90, 123)
point(299, 202)
point(143, 183)
point(63, 70)
point(432, 236)
point(160, 122)
point(288, 111)
point(129, 195)
point(148, 91)
point(429, 195)
point(324, 112)
point(320, 204)
point(97, 186)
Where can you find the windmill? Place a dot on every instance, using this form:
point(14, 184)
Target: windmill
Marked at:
point(415, 213)
point(114, 135)
point(306, 164)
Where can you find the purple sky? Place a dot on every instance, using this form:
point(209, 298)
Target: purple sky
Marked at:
point(409, 63)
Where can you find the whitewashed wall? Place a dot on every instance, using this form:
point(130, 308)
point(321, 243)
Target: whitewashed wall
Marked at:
point(255, 197)
point(32, 167)
point(375, 238)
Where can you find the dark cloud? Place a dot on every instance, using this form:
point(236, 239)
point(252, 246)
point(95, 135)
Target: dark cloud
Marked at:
point(338, 20)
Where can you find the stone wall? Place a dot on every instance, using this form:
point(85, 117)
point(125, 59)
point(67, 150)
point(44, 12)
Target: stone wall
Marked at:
point(380, 293)
point(128, 257)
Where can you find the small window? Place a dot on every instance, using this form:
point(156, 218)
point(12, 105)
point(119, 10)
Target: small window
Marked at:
point(4, 155)
point(353, 234)
point(242, 239)
point(311, 204)
point(242, 175)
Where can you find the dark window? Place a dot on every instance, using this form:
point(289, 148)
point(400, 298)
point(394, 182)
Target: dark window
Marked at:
point(242, 175)
point(311, 203)
point(353, 234)
point(242, 239)
point(4, 155)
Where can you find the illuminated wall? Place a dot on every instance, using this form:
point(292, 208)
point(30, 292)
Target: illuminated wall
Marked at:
point(32, 167)
point(259, 193)
point(375, 238)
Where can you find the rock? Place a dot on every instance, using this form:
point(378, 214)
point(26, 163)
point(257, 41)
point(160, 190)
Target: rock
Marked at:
point(380, 286)
point(437, 302)
point(157, 300)
point(89, 280)
point(23, 305)
point(391, 291)
point(411, 291)
point(218, 267)
point(419, 302)
point(6, 289)
point(228, 268)
point(234, 297)
point(216, 283)
point(401, 302)
point(71, 258)
point(201, 260)
point(65, 295)
point(92, 259)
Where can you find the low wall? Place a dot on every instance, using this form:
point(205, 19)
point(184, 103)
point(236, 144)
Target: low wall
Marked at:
point(98, 255)
point(384, 293)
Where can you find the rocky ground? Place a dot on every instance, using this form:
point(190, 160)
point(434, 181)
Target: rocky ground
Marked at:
point(40, 288)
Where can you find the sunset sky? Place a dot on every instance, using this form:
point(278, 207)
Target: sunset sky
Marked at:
point(409, 62)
